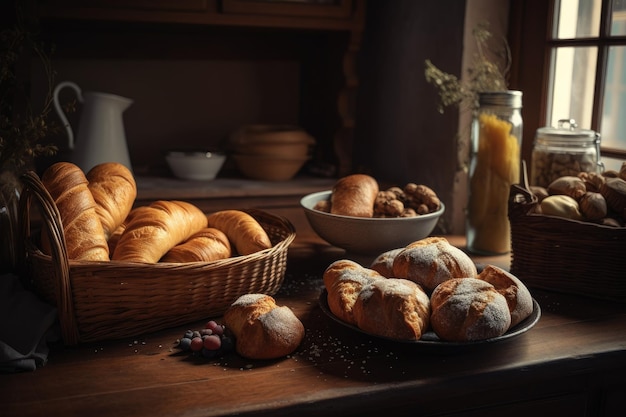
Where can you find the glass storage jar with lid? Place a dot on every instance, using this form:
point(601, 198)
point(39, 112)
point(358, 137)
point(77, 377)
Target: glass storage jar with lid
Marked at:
point(565, 150)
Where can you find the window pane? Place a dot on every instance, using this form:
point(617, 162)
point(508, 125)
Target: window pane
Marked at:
point(577, 18)
point(618, 18)
point(613, 124)
point(572, 85)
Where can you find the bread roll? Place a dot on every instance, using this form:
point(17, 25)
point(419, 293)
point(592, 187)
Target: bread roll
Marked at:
point(83, 231)
point(383, 263)
point(262, 329)
point(345, 280)
point(151, 231)
point(114, 190)
point(432, 261)
point(354, 195)
point(243, 231)
point(517, 296)
point(468, 309)
point(340, 268)
point(394, 308)
point(209, 244)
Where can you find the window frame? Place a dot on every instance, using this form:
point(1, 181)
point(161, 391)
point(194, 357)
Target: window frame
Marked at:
point(531, 42)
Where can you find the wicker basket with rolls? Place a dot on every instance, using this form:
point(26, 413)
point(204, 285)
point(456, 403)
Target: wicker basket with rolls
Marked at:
point(569, 251)
point(138, 270)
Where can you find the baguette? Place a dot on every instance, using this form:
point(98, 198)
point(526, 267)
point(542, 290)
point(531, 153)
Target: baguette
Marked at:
point(209, 244)
point(151, 231)
point(84, 235)
point(114, 189)
point(243, 231)
point(354, 195)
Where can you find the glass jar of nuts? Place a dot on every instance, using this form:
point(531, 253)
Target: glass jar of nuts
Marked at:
point(562, 151)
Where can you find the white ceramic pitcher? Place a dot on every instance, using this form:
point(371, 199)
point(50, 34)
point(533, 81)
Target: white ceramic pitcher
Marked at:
point(101, 136)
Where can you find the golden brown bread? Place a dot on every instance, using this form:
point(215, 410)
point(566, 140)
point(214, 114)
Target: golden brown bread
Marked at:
point(262, 329)
point(468, 309)
point(344, 280)
point(383, 263)
point(354, 195)
point(115, 237)
point(243, 231)
point(83, 231)
point(151, 231)
point(209, 244)
point(431, 261)
point(114, 190)
point(517, 296)
point(394, 308)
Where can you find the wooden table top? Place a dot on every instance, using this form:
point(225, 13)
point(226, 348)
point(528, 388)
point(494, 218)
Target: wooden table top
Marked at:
point(336, 371)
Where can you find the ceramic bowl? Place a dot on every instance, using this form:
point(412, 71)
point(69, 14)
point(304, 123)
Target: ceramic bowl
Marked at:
point(269, 167)
point(284, 141)
point(367, 236)
point(195, 165)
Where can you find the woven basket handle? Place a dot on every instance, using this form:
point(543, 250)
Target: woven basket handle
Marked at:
point(520, 193)
point(33, 187)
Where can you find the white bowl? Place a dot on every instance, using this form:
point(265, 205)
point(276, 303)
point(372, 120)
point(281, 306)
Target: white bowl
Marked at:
point(195, 165)
point(367, 236)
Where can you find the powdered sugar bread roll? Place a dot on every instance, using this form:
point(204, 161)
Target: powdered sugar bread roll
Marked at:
point(344, 280)
point(517, 295)
point(394, 308)
point(468, 309)
point(262, 329)
point(383, 263)
point(431, 261)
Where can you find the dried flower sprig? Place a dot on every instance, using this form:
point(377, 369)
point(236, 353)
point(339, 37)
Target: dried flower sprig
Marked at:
point(23, 129)
point(485, 74)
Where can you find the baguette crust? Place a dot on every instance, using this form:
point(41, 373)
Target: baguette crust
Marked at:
point(243, 231)
point(354, 195)
point(84, 235)
point(114, 190)
point(151, 231)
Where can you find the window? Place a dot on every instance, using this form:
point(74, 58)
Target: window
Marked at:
point(581, 54)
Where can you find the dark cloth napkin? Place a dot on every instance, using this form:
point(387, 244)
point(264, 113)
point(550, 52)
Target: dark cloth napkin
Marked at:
point(27, 326)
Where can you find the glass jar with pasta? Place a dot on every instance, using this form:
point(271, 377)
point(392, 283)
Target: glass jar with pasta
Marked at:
point(494, 167)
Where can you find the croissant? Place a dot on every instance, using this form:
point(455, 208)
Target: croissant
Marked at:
point(243, 231)
point(209, 244)
point(84, 235)
point(151, 231)
point(114, 189)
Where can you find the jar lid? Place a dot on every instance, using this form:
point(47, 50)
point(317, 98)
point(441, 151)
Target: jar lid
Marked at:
point(511, 98)
point(567, 129)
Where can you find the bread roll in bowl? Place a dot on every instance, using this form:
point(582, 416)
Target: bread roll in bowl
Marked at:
point(262, 329)
point(468, 309)
point(431, 261)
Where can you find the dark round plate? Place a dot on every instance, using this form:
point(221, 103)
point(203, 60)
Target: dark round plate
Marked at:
point(430, 339)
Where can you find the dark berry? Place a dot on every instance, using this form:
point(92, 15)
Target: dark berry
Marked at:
point(212, 342)
point(196, 344)
point(184, 343)
point(188, 334)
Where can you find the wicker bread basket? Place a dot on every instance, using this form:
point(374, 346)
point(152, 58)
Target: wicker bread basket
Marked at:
point(564, 255)
point(112, 300)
